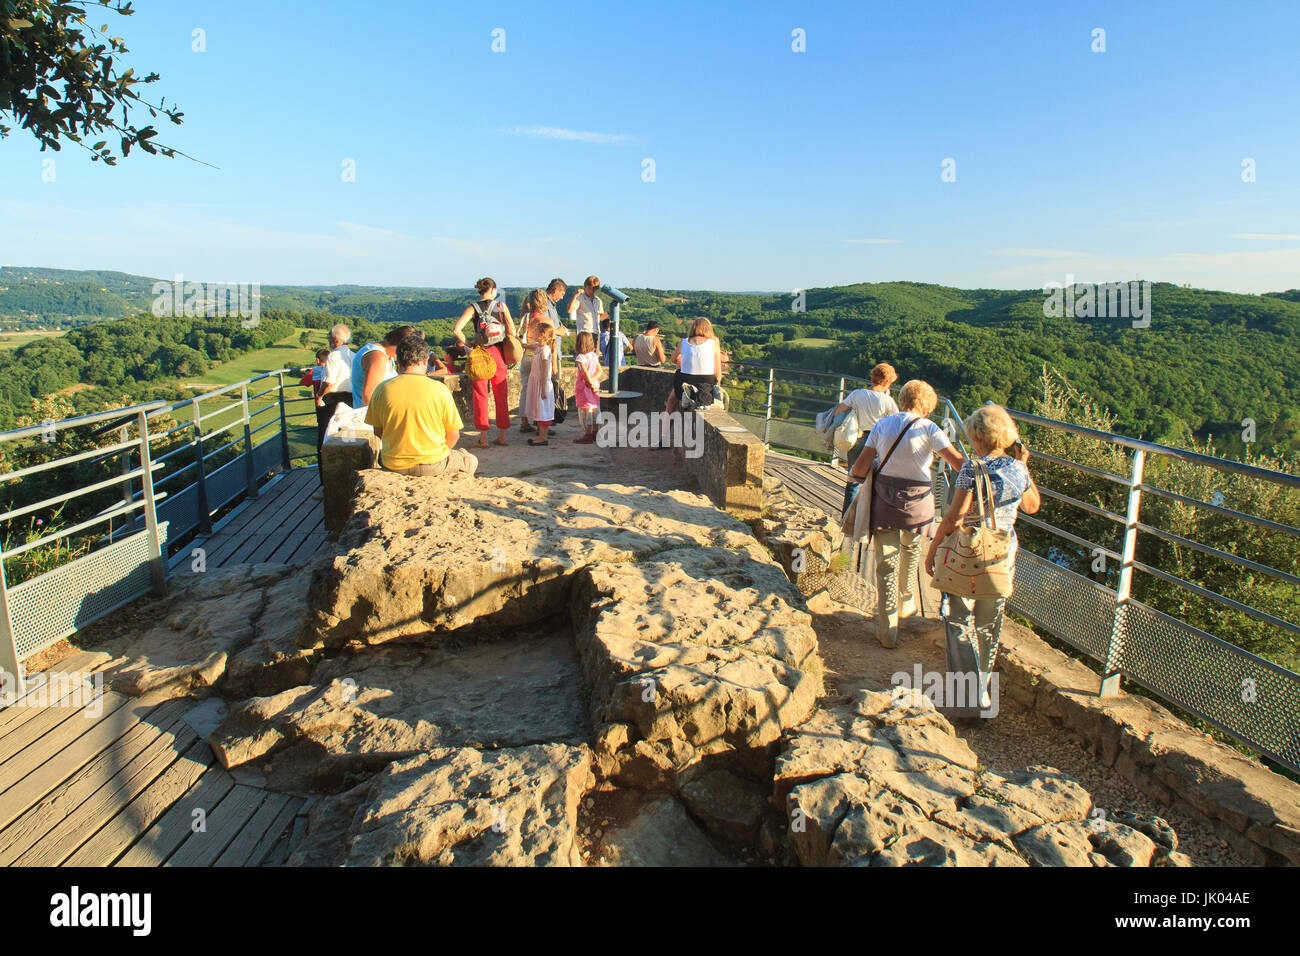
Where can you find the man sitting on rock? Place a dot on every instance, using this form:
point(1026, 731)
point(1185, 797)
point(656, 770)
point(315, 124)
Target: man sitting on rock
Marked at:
point(416, 420)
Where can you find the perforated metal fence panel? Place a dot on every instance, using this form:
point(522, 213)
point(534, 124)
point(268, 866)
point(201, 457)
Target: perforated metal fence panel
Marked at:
point(1247, 696)
point(53, 605)
point(1075, 609)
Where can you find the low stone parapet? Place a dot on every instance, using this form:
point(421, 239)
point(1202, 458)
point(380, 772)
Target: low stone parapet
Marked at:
point(1254, 809)
point(729, 467)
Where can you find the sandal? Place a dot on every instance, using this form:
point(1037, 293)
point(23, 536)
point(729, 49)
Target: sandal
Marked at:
point(536, 443)
point(525, 428)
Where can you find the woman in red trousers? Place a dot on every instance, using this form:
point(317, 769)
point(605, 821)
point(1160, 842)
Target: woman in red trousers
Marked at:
point(492, 323)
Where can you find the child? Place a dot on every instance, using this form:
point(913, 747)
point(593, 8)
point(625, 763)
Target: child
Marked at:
point(586, 391)
point(453, 359)
point(539, 398)
point(318, 384)
point(532, 317)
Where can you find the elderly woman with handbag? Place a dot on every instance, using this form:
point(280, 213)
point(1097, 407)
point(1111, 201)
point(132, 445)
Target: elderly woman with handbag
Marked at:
point(898, 501)
point(972, 557)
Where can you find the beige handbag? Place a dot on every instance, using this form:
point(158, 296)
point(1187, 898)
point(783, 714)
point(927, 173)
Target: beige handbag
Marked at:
point(977, 562)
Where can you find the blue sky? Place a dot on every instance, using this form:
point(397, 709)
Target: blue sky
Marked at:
point(774, 170)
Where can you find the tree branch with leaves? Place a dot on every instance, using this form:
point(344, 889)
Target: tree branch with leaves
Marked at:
point(61, 79)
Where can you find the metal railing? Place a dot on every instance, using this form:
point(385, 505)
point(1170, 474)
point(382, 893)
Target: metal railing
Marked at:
point(1252, 699)
point(210, 458)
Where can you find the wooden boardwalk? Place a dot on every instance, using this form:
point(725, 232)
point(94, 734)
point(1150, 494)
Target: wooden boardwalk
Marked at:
point(813, 483)
point(99, 779)
point(89, 777)
point(282, 525)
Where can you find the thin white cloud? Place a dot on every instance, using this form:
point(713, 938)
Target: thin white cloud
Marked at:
point(874, 242)
point(1038, 253)
point(1274, 237)
point(574, 135)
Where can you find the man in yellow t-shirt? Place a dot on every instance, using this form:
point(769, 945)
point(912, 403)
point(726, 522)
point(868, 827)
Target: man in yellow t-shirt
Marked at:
point(416, 420)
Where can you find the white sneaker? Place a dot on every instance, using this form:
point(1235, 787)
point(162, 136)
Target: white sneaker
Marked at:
point(907, 607)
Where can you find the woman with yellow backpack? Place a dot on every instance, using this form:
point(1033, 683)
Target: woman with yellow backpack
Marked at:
point(494, 331)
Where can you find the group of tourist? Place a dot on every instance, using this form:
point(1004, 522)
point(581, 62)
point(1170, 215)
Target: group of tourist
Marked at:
point(898, 445)
point(418, 425)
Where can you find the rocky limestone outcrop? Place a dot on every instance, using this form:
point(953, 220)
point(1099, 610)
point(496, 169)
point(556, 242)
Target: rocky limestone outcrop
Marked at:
point(427, 556)
point(363, 710)
point(656, 832)
point(514, 806)
point(694, 655)
point(501, 613)
point(803, 540)
point(886, 782)
point(241, 627)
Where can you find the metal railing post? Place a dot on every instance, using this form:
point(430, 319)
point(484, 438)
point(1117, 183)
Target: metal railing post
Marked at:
point(284, 426)
point(250, 474)
point(200, 477)
point(767, 418)
point(9, 662)
point(157, 569)
point(1115, 653)
point(615, 350)
point(128, 520)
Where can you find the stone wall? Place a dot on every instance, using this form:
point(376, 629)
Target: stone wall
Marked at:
point(730, 470)
point(1254, 809)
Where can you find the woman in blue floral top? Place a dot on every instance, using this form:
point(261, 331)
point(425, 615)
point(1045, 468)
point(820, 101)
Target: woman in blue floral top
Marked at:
point(975, 626)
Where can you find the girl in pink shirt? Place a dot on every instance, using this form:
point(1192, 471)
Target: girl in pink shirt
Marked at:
point(586, 390)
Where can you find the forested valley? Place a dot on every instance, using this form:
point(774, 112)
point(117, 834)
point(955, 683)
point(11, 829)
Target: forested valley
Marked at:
point(1207, 362)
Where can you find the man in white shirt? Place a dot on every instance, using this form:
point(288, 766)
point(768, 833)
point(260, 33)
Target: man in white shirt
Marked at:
point(555, 290)
point(585, 308)
point(338, 380)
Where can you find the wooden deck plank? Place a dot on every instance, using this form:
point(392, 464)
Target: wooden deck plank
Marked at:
point(172, 828)
point(238, 544)
point(261, 543)
point(274, 850)
point(224, 822)
point(257, 837)
point(304, 509)
point(53, 829)
point(290, 543)
point(141, 813)
point(61, 753)
point(255, 513)
point(42, 722)
point(30, 706)
point(251, 509)
point(314, 541)
point(290, 491)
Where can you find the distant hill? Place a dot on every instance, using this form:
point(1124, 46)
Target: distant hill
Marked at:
point(1208, 360)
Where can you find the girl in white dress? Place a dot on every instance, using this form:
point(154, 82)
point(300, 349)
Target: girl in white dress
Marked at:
point(539, 397)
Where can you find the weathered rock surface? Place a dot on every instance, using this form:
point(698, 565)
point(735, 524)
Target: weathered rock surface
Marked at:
point(804, 540)
point(886, 782)
point(240, 624)
point(658, 833)
point(699, 653)
point(426, 556)
point(516, 806)
point(363, 710)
